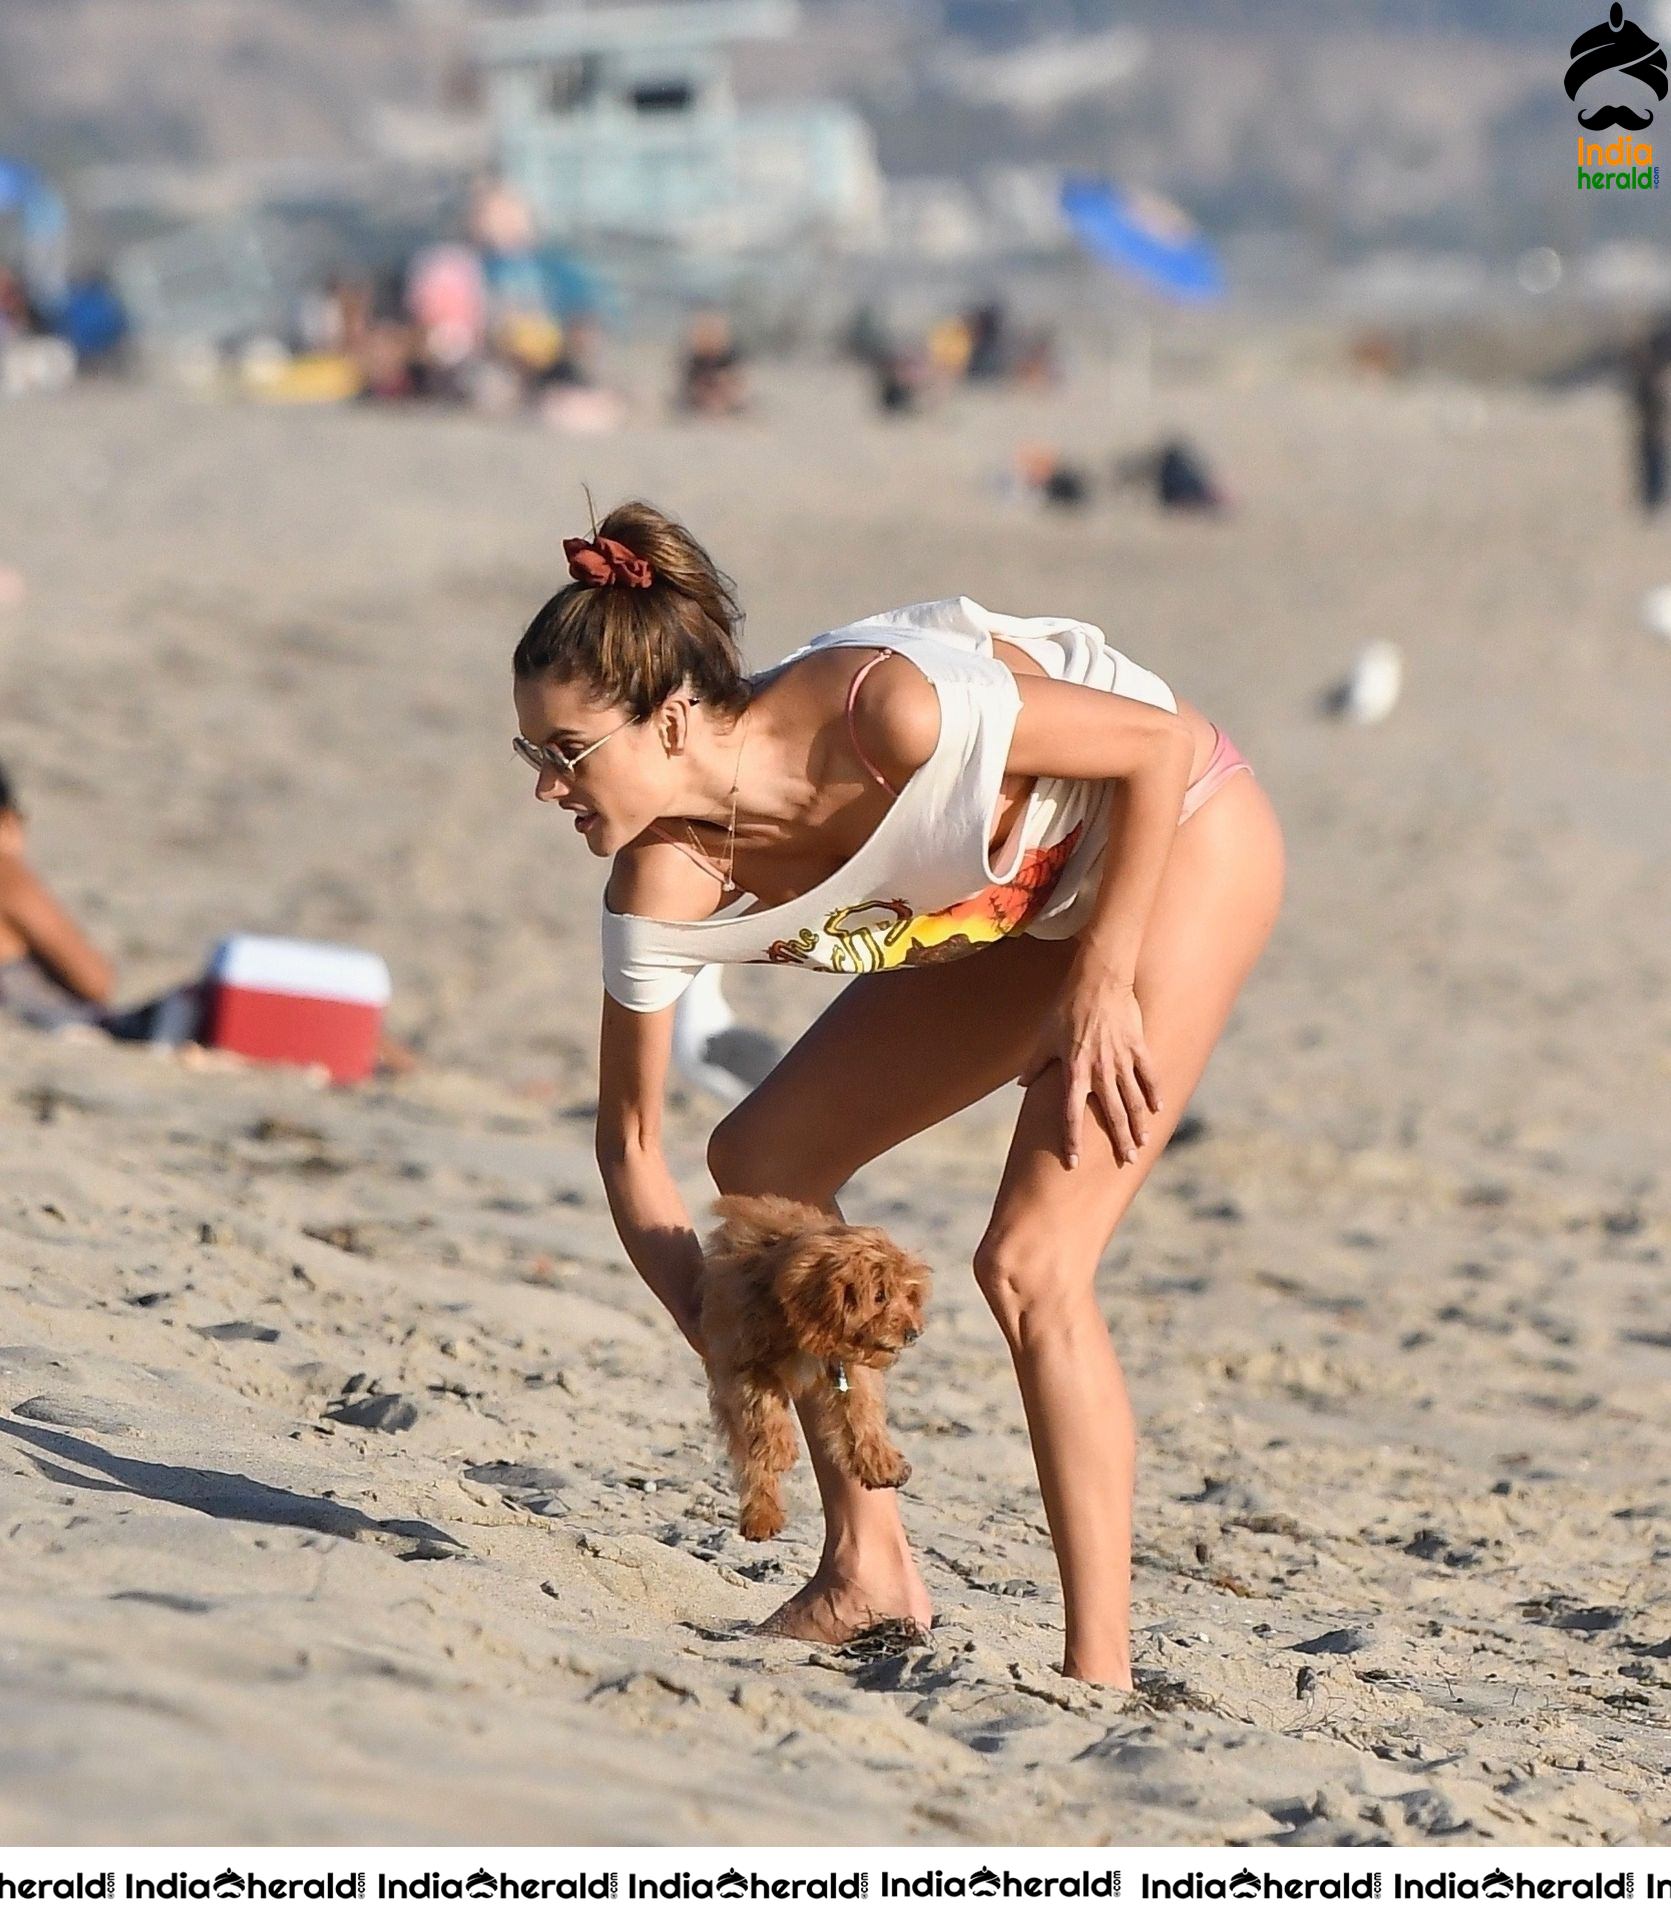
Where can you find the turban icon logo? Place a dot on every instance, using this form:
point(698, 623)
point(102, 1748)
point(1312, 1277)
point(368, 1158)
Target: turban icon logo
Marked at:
point(1617, 46)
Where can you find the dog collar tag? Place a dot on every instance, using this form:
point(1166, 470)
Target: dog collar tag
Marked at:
point(838, 1375)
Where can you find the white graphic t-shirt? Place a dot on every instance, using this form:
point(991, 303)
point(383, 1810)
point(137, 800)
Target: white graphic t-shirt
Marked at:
point(922, 889)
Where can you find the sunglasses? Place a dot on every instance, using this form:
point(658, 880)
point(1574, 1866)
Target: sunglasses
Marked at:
point(554, 759)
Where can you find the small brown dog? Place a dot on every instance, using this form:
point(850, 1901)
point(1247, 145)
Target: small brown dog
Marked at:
point(798, 1305)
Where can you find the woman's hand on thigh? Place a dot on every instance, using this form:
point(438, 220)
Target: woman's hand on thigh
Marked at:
point(1095, 1030)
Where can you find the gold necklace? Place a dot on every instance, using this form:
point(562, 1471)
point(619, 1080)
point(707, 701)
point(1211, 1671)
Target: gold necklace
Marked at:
point(727, 883)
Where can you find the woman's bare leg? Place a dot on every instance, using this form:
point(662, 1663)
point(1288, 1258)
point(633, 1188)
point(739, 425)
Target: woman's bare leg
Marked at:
point(865, 1573)
point(1037, 1262)
point(897, 1053)
point(893, 1055)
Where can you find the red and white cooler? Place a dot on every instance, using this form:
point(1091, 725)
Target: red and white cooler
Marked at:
point(297, 1000)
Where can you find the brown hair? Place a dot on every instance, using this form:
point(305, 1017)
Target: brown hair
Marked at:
point(633, 646)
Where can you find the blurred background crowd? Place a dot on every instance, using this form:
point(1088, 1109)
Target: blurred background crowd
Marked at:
point(584, 213)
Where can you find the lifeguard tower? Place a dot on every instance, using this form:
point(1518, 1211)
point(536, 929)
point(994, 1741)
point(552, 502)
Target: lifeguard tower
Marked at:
point(621, 123)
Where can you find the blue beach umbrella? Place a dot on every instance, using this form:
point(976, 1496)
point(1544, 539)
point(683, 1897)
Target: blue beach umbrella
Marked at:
point(21, 187)
point(1144, 237)
point(86, 313)
point(45, 225)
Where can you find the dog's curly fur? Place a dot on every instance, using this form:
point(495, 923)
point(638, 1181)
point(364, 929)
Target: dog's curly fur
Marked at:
point(787, 1292)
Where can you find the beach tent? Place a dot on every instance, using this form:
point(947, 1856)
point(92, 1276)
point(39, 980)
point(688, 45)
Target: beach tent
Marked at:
point(1145, 238)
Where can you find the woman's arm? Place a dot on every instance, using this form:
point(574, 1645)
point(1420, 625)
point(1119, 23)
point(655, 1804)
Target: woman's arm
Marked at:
point(644, 1199)
point(649, 1212)
point(1083, 733)
point(29, 906)
point(1097, 1030)
point(1071, 733)
point(655, 1229)
point(648, 877)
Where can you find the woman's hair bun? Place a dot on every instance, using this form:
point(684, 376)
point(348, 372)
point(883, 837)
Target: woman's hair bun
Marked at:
point(635, 648)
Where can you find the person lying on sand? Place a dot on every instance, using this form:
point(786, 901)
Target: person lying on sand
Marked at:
point(53, 976)
point(1037, 861)
point(49, 968)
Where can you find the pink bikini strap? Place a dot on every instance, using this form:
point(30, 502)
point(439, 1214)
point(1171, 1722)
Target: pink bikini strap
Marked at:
point(852, 695)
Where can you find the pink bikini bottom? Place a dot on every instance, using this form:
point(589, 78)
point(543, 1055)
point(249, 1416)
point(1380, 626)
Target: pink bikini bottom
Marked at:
point(1225, 761)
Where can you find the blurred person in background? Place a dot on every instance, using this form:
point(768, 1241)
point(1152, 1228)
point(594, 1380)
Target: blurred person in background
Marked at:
point(502, 231)
point(903, 381)
point(1057, 481)
point(17, 315)
point(1037, 362)
point(901, 375)
point(1645, 390)
point(48, 965)
point(711, 379)
point(446, 299)
point(1177, 474)
point(572, 395)
point(51, 973)
point(989, 342)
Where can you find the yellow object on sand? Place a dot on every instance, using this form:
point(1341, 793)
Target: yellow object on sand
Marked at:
point(311, 379)
point(532, 340)
point(949, 345)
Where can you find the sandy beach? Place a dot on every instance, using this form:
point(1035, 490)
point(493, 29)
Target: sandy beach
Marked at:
point(1397, 1324)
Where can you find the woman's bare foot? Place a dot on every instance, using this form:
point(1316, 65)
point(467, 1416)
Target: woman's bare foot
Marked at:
point(1101, 1674)
point(835, 1607)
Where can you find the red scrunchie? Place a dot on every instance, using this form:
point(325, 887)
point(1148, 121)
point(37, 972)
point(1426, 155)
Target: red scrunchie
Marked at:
point(606, 563)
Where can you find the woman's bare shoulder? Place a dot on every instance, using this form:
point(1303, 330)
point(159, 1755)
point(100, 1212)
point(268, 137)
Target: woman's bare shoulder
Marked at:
point(896, 717)
point(650, 877)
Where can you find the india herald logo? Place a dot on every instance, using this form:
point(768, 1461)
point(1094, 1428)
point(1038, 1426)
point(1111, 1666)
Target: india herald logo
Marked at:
point(1620, 46)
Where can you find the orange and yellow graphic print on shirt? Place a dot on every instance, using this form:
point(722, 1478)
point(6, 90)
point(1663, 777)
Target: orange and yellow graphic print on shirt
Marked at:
point(878, 934)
